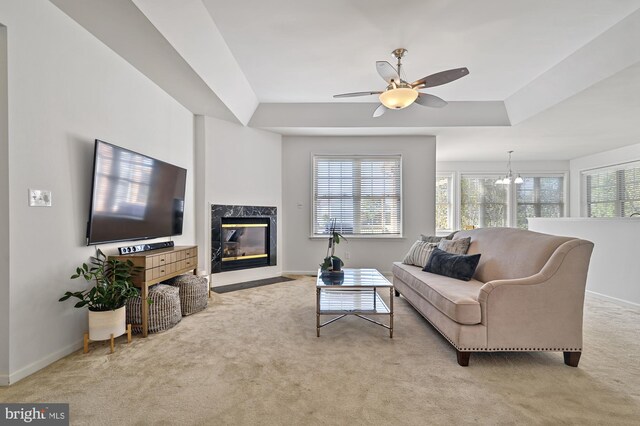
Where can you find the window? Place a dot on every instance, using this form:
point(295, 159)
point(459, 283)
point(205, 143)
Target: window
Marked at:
point(362, 193)
point(483, 204)
point(444, 202)
point(539, 196)
point(612, 191)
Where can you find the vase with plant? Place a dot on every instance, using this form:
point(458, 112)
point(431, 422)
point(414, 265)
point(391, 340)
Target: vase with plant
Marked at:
point(111, 285)
point(333, 263)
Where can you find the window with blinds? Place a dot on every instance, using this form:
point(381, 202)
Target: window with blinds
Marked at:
point(612, 191)
point(362, 193)
point(539, 196)
point(483, 204)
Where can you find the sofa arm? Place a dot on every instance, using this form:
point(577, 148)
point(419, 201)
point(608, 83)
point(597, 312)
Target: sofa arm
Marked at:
point(543, 311)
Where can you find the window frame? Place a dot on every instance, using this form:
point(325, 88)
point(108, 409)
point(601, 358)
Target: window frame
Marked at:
point(512, 196)
point(617, 168)
point(483, 175)
point(453, 194)
point(312, 201)
point(565, 194)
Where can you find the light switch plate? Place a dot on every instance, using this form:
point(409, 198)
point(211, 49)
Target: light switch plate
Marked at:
point(39, 198)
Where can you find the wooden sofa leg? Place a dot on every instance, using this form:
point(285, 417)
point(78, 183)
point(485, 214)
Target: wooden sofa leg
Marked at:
point(463, 358)
point(396, 292)
point(572, 358)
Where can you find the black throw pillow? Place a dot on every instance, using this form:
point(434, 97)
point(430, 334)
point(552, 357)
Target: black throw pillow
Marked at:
point(458, 266)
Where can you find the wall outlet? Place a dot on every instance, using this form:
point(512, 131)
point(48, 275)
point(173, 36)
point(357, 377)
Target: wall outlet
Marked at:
point(39, 198)
point(347, 255)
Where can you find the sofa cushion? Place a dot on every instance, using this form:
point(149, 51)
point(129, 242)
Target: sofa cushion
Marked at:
point(419, 253)
point(509, 253)
point(456, 299)
point(458, 266)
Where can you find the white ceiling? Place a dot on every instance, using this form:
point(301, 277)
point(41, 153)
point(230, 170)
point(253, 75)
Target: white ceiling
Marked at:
point(604, 116)
point(308, 50)
point(551, 79)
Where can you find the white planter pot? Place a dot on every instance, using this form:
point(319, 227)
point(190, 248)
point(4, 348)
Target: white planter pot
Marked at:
point(103, 324)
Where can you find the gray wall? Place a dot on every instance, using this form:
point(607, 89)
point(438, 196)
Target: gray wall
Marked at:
point(614, 269)
point(302, 253)
point(66, 89)
point(4, 214)
point(238, 166)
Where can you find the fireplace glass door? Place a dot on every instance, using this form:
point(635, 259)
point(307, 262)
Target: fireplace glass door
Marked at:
point(245, 243)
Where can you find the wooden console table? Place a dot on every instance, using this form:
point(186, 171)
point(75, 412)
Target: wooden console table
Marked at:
point(159, 265)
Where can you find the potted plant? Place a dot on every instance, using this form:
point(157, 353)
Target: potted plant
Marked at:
point(333, 263)
point(112, 286)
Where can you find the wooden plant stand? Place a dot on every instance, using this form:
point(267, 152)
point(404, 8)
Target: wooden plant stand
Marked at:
point(111, 341)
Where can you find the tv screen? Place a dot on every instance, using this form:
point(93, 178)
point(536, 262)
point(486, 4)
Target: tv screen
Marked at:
point(134, 197)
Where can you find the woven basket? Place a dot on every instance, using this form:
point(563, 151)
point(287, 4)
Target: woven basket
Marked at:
point(164, 312)
point(193, 292)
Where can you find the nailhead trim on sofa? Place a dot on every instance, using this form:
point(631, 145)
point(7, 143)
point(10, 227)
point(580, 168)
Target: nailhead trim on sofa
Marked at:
point(494, 349)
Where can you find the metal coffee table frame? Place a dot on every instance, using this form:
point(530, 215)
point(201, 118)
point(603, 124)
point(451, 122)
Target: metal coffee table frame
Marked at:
point(356, 294)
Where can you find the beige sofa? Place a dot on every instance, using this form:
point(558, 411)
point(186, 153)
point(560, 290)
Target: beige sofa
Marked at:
point(527, 294)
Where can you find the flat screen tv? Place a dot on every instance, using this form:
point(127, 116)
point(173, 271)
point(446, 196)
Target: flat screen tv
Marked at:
point(133, 196)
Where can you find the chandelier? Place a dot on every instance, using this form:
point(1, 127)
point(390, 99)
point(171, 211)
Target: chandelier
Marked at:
point(509, 176)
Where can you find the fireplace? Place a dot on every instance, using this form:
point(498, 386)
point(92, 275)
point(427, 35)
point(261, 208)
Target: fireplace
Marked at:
point(242, 237)
point(245, 242)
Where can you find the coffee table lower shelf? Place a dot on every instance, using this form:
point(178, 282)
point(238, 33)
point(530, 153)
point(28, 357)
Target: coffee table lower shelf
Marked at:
point(360, 302)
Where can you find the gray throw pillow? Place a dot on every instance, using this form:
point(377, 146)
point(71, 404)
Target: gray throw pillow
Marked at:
point(430, 238)
point(450, 236)
point(459, 246)
point(458, 266)
point(419, 253)
point(434, 239)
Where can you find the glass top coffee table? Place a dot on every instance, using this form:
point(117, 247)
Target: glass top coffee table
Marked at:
point(354, 293)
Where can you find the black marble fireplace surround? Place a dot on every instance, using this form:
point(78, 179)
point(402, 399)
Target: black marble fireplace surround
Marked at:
point(219, 211)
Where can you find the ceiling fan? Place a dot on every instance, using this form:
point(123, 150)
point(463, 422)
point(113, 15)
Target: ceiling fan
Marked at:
point(399, 93)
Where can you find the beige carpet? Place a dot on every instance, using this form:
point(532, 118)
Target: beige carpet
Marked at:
point(253, 358)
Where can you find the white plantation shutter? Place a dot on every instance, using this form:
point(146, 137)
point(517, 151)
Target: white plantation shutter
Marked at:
point(362, 193)
point(612, 191)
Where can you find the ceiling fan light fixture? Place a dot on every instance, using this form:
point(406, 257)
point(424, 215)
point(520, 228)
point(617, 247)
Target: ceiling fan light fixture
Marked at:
point(398, 98)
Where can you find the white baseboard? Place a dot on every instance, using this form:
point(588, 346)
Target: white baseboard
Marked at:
point(614, 299)
point(4, 380)
point(42, 363)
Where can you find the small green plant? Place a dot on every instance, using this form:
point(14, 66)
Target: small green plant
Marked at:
point(112, 283)
point(334, 238)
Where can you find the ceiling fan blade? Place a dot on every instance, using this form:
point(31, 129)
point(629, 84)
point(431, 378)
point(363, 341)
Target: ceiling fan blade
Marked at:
point(439, 78)
point(379, 111)
point(426, 99)
point(387, 71)
point(354, 94)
